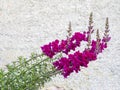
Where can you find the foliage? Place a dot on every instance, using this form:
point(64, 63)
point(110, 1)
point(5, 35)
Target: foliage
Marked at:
point(27, 74)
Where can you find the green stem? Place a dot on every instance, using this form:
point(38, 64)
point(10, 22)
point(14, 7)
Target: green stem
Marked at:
point(24, 62)
point(44, 78)
point(22, 73)
point(36, 70)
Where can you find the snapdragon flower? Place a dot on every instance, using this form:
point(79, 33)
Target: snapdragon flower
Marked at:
point(64, 46)
point(73, 62)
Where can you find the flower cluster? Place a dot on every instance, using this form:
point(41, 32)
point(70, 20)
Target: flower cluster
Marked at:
point(78, 59)
point(73, 62)
point(102, 46)
point(64, 46)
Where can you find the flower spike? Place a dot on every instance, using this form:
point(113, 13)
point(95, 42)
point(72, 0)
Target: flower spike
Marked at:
point(107, 24)
point(91, 19)
point(97, 34)
point(98, 42)
point(89, 40)
point(69, 29)
point(106, 37)
point(106, 27)
point(90, 29)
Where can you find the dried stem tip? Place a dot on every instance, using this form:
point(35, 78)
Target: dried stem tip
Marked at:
point(97, 34)
point(69, 29)
point(106, 28)
point(98, 41)
point(107, 24)
point(91, 19)
point(89, 40)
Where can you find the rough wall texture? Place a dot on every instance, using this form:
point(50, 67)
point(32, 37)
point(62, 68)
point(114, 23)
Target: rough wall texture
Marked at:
point(25, 25)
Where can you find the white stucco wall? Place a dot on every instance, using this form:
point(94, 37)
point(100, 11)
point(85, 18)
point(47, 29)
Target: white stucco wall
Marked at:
point(25, 25)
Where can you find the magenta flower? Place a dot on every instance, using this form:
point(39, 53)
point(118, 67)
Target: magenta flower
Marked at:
point(55, 46)
point(106, 39)
point(64, 66)
point(93, 46)
point(101, 47)
point(64, 45)
point(47, 50)
point(73, 62)
point(78, 36)
point(90, 55)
